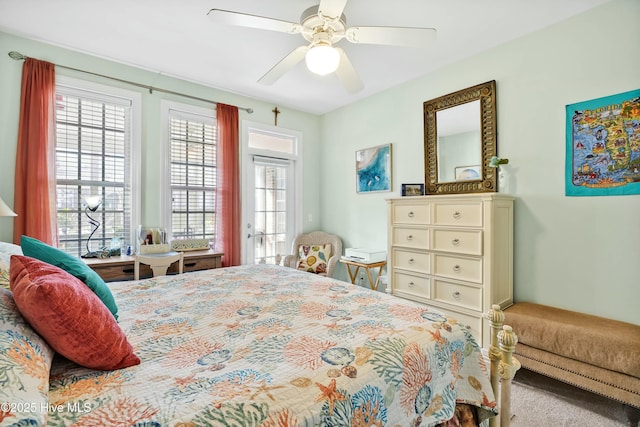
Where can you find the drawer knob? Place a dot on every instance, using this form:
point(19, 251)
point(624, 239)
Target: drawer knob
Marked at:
point(411, 284)
point(410, 214)
point(411, 261)
point(457, 215)
point(409, 237)
point(457, 268)
point(456, 295)
point(455, 242)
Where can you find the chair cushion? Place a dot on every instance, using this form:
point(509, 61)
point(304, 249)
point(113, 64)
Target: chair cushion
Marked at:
point(36, 249)
point(69, 316)
point(314, 258)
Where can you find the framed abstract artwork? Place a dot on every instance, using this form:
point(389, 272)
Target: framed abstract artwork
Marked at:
point(603, 146)
point(373, 169)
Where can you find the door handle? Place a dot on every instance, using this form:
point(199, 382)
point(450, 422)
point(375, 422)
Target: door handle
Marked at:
point(260, 235)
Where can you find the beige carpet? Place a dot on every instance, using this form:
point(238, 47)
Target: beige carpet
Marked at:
point(538, 401)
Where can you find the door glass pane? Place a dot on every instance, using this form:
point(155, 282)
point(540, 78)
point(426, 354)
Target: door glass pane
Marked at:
point(270, 213)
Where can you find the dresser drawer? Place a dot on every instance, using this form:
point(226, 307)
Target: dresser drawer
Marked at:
point(411, 237)
point(408, 283)
point(460, 241)
point(411, 214)
point(408, 260)
point(196, 264)
point(458, 295)
point(120, 272)
point(462, 214)
point(469, 269)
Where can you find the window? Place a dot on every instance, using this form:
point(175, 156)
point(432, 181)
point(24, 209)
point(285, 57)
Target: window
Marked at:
point(192, 171)
point(281, 144)
point(96, 143)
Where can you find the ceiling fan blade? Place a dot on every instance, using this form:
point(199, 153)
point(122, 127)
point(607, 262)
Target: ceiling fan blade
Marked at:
point(347, 74)
point(396, 36)
point(331, 8)
point(253, 21)
point(287, 63)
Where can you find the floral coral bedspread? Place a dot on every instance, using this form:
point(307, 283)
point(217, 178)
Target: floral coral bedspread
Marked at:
point(272, 346)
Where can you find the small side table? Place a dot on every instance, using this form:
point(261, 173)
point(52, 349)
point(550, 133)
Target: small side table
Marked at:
point(353, 275)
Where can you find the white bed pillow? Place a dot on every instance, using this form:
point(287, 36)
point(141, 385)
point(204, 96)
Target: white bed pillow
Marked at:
point(6, 250)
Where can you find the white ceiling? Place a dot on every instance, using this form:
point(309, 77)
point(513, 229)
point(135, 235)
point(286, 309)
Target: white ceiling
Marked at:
point(176, 38)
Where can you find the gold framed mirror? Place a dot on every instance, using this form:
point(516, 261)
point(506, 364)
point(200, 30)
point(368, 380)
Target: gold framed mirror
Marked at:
point(459, 141)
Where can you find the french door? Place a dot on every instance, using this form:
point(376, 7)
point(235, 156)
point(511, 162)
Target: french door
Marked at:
point(271, 226)
point(272, 198)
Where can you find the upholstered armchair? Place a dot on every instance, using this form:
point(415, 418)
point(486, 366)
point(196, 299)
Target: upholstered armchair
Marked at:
point(317, 252)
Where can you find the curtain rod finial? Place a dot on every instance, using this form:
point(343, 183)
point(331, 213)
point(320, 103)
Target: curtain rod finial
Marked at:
point(17, 55)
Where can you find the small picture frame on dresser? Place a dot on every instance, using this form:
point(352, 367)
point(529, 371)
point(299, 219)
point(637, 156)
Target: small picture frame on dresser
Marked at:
point(412, 189)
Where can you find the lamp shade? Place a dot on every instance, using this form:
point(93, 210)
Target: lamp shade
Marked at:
point(92, 202)
point(5, 210)
point(322, 59)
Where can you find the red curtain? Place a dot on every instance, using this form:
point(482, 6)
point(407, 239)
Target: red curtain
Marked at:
point(228, 196)
point(34, 193)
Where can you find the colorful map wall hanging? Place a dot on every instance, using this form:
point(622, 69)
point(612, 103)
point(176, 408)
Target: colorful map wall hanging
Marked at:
point(603, 146)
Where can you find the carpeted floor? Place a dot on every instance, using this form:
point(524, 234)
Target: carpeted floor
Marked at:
point(540, 401)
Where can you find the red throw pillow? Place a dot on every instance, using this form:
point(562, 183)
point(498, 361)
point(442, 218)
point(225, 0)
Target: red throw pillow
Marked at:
point(68, 315)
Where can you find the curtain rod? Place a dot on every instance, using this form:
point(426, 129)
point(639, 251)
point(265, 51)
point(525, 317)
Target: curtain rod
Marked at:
point(20, 57)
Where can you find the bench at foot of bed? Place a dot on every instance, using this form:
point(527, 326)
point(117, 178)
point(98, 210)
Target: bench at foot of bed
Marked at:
point(590, 352)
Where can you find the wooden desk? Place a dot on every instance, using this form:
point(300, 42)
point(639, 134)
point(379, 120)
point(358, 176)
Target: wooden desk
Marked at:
point(354, 275)
point(120, 268)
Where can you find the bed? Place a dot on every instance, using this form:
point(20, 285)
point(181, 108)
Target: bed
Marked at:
point(264, 346)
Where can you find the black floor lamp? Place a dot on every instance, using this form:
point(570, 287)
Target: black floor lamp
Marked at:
point(92, 203)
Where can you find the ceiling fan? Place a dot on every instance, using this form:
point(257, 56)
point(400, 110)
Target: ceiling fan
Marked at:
point(323, 26)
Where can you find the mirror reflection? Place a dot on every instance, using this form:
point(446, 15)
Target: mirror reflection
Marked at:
point(459, 141)
point(458, 151)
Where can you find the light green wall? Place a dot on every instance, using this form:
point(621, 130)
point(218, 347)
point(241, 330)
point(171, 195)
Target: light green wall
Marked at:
point(580, 253)
point(10, 78)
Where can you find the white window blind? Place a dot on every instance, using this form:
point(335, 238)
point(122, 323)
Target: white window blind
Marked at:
point(193, 146)
point(93, 149)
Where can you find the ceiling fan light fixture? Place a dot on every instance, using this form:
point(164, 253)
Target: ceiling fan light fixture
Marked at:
point(322, 59)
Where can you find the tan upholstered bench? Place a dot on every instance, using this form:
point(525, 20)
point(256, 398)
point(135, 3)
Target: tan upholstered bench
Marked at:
point(596, 354)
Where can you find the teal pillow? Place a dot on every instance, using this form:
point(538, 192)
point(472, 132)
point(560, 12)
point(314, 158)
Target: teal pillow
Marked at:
point(34, 248)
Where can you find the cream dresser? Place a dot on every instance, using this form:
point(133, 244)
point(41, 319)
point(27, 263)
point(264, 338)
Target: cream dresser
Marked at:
point(453, 253)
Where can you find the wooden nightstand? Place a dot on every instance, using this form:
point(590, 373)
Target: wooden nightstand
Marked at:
point(121, 267)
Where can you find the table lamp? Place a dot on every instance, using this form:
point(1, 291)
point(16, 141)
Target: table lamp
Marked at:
point(92, 203)
point(5, 210)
